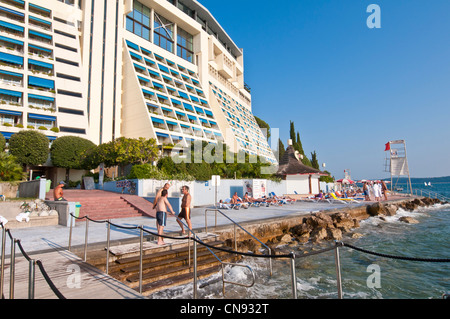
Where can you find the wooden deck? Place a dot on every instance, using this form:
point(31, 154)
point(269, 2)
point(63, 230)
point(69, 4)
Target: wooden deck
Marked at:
point(74, 279)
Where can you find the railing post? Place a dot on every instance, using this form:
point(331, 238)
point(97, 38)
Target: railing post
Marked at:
point(2, 272)
point(70, 232)
point(12, 268)
point(108, 245)
point(31, 278)
point(293, 275)
point(86, 239)
point(189, 249)
point(195, 269)
point(141, 250)
point(338, 269)
point(235, 238)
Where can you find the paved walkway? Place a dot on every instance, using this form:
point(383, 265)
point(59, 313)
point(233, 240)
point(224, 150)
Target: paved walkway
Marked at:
point(36, 239)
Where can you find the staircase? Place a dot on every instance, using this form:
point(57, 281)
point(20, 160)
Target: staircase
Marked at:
point(164, 266)
point(103, 205)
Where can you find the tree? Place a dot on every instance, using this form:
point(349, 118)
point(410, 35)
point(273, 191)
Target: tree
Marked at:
point(134, 151)
point(10, 170)
point(263, 125)
point(69, 152)
point(29, 147)
point(292, 132)
point(314, 161)
point(2, 142)
point(281, 149)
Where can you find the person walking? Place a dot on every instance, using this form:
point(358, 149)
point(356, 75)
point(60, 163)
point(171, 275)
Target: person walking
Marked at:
point(376, 191)
point(185, 209)
point(384, 190)
point(366, 191)
point(161, 214)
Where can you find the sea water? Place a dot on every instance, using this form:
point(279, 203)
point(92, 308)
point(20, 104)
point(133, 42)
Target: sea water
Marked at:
point(364, 276)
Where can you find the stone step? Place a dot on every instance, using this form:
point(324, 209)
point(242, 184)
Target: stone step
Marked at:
point(183, 279)
point(170, 271)
point(163, 255)
point(165, 259)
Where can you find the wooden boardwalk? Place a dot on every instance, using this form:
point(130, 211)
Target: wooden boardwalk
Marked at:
point(73, 278)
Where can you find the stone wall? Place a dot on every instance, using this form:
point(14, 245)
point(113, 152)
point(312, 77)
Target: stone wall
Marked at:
point(315, 227)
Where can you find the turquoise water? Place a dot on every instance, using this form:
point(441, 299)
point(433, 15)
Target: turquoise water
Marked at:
point(316, 275)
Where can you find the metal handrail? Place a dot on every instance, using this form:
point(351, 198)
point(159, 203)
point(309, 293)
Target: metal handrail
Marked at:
point(235, 239)
point(220, 260)
point(141, 228)
point(432, 194)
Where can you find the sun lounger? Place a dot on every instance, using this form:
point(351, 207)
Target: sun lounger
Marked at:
point(349, 200)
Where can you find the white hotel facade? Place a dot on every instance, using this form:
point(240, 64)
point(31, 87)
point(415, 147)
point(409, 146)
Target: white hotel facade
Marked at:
point(102, 69)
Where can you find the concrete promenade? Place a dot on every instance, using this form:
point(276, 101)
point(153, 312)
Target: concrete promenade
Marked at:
point(39, 239)
point(49, 244)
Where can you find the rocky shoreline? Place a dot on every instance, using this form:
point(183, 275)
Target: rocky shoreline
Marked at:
point(327, 226)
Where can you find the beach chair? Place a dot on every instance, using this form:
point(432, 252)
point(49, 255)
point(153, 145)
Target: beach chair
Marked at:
point(345, 200)
point(307, 199)
point(227, 204)
point(283, 200)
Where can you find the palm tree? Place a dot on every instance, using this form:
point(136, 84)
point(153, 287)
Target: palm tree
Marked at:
point(10, 170)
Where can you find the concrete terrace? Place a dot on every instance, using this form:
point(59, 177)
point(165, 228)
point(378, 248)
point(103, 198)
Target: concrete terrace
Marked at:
point(50, 243)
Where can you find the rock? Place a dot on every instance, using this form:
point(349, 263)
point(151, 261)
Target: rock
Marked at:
point(319, 220)
point(375, 209)
point(43, 213)
point(409, 206)
point(356, 235)
point(408, 220)
point(285, 239)
point(303, 238)
point(319, 234)
point(344, 220)
point(53, 213)
point(334, 234)
point(382, 209)
point(391, 209)
point(300, 230)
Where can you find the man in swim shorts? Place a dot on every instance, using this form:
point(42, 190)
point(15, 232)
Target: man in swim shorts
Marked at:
point(185, 209)
point(161, 214)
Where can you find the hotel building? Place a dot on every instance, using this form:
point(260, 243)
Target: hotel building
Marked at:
point(102, 69)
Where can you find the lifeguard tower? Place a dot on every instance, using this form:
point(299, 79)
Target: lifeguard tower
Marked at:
point(396, 163)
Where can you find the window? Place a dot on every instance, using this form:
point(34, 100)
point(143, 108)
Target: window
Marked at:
point(163, 33)
point(138, 21)
point(186, 10)
point(185, 45)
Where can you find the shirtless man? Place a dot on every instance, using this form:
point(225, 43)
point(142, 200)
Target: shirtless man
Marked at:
point(161, 214)
point(185, 209)
point(58, 192)
point(158, 194)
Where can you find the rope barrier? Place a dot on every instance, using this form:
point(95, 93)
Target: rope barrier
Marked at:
point(248, 254)
point(49, 281)
point(441, 260)
point(276, 256)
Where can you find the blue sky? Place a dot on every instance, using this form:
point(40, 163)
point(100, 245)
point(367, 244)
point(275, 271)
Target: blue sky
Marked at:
point(349, 89)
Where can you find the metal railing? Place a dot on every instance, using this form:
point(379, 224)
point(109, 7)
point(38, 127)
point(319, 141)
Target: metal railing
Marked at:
point(195, 239)
point(31, 268)
point(431, 194)
point(235, 233)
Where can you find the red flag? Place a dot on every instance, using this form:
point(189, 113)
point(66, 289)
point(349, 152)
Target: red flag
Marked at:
point(388, 146)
